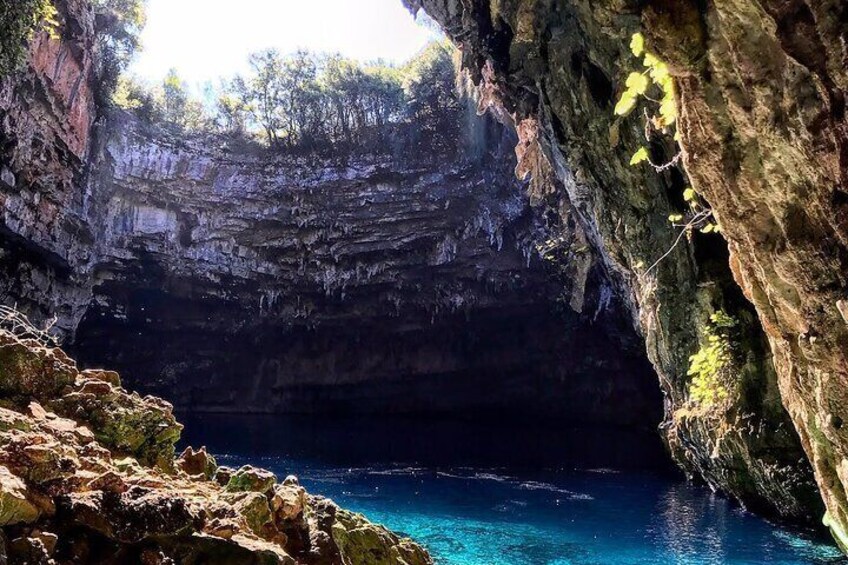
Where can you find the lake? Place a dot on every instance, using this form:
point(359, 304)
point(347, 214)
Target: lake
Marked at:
point(497, 493)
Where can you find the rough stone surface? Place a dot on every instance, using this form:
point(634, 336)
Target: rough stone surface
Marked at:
point(75, 487)
point(407, 283)
point(557, 67)
point(402, 282)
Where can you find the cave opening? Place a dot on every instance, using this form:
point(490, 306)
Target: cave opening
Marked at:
point(309, 244)
point(406, 280)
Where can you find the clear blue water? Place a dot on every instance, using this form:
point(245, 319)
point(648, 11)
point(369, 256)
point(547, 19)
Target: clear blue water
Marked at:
point(490, 494)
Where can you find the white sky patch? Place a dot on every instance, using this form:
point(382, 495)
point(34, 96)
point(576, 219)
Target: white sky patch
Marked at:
point(206, 40)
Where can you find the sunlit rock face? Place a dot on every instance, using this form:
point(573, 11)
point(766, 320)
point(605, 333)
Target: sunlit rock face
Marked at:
point(761, 97)
point(47, 115)
point(225, 280)
point(397, 283)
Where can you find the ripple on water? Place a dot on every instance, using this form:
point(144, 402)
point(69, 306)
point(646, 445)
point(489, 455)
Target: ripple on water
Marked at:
point(505, 512)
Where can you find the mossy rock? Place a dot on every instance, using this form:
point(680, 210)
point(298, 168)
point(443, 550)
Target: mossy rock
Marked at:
point(251, 479)
point(14, 506)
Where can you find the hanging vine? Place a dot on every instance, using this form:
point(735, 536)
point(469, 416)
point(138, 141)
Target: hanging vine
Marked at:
point(655, 85)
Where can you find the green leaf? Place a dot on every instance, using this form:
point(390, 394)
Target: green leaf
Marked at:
point(689, 194)
point(668, 111)
point(637, 44)
point(651, 61)
point(675, 218)
point(637, 82)
point(707, 228)
point(639, 156)
point(626, 103)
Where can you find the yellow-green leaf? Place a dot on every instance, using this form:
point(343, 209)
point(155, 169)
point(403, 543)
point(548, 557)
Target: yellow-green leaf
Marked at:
point(689, 194)
point(637, 44)
point(650, 60)
point(707, 228)
point(626, 103)
point(675, 218)
point(639, 156)
point(668, 112)
point(659, 72)
point(637, 82)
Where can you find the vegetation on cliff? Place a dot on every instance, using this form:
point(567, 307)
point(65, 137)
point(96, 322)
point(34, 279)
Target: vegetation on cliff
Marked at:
point(309, 102)
point(19, 20)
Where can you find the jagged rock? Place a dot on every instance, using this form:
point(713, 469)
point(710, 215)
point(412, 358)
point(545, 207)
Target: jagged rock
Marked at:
point(288, 501)
point(198, 463)
point(14, 506)
point(251, 479)
point(31, 551)
point(131, 517)
point(362, 542)
point(223, 474)
point(109, 497)
point(110, 377)
point(33, 371)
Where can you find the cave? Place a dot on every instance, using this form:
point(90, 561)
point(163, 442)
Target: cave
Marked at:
point(227, 283)
point(563, 283)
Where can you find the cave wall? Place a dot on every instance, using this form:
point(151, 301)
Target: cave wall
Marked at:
point(231, 280)
point(47, 118)
point(407, 283)
point(761, 96)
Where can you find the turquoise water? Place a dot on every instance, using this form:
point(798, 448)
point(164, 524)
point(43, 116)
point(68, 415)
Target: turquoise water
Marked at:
point(489, 494)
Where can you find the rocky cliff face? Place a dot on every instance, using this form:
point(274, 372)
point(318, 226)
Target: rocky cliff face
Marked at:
point(761, 97)
point(47, 112)
point(230, 281)
point(404, 284)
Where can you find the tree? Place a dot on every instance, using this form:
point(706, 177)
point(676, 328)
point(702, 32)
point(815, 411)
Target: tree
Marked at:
point(431, 88)
point(262, 92)
point(177, 106)
point(119, 26)
point(19, 20)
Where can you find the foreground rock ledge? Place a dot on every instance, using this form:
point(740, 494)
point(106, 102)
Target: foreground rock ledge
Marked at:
point(88, 474)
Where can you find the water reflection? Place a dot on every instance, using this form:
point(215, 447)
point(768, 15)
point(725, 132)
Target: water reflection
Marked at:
point(484, 493)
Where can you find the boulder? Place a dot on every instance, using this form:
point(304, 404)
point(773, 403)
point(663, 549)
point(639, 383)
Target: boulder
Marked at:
point(249, 478)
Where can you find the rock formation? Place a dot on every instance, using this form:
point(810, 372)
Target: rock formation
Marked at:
point(408, 281)
point(386, 276)
point(88, 474)
point(403, 284)
point(761, 93)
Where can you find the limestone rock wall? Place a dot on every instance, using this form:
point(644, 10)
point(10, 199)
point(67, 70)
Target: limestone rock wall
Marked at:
point(226, 279)
point(48, 112)
point(370, 284)
point(558, 67)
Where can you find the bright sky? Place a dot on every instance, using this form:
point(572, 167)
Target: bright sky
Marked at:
point(210, 39)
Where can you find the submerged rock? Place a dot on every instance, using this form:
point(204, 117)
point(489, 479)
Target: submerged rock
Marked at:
point(88, 472)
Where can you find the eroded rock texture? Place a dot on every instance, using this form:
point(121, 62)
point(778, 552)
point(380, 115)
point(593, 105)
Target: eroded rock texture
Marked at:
point(223, 280)
point(47, 114)
point(756, 147)
point(403, 284)
point(88, 475)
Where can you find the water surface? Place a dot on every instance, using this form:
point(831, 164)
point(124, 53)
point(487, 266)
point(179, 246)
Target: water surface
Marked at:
point(488, 493)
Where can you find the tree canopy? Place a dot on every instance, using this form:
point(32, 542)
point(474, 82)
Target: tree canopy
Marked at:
point(305, 101)
point(18, 21)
